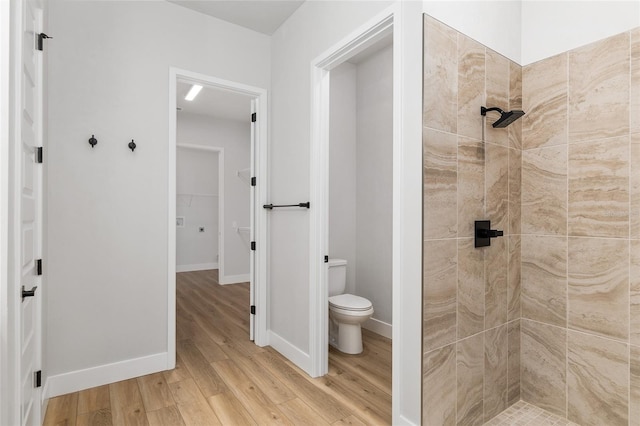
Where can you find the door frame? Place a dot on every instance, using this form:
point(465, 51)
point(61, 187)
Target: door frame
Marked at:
point(319, 217)
point(9, 388)
point(11, 85)
point(220, 160)
point(404, 19)
point(260, 230)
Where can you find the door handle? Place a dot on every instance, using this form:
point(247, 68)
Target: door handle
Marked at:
point(28, 293)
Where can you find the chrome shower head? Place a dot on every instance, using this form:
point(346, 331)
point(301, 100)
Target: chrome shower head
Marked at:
point(506, 117)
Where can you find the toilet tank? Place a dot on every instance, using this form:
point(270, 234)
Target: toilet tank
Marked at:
point(337, 280)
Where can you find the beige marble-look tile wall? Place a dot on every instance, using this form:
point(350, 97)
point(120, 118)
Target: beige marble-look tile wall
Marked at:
point(580, 242)
point(471, 296)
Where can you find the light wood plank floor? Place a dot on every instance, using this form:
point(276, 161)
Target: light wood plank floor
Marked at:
point(223, 378)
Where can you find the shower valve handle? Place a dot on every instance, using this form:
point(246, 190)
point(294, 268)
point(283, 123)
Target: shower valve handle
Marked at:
point(484, 233)
point(489, 233)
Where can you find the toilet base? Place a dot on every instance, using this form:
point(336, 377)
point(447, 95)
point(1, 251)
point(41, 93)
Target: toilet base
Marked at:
point(349, 339)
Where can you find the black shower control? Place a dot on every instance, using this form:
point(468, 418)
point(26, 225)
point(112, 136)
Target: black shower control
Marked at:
point(484, 233)
point(489, 233)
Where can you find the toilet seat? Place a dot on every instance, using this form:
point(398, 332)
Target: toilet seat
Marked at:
point(350, 302)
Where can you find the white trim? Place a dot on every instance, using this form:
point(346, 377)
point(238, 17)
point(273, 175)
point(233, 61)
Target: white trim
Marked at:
point(233, 279)
point(406, 18)
point(8, 391)
point(407, 215)
point(44, 403)
point(402, 420)
point(365, 36)
point(196, 267)
point(62, 384)
point(379, 327)
point(261, 284)
point(171, 246)
point(290, 351)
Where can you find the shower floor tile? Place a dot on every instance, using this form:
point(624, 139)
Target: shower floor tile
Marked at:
point(522, 413)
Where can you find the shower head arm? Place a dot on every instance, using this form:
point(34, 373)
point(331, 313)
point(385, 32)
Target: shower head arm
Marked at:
point(484, 111)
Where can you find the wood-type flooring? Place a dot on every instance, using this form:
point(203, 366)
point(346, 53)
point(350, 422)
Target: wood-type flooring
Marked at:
point(221, 377)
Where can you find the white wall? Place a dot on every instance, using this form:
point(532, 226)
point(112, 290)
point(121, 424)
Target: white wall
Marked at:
point(360, 177)
point(109, 76)
point(374, 198)
point(494, 23)
point(552, 27)
point(531, 30)
point(235, 137)
point(311, 30)
point(342, 169)
point(197, 203)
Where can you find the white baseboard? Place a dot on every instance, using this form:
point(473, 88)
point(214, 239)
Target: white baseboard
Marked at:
point(291, 352)
point(74, 381)
point(379, 327)
point(233, 279)
point(196, 267)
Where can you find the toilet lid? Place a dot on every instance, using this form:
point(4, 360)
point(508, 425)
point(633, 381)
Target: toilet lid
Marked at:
point(350, 302)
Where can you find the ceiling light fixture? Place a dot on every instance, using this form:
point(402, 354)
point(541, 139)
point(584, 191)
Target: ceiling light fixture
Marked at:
point(193, 92)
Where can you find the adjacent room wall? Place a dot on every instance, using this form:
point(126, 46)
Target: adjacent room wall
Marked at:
point(581, 232)
point(374, 194)
point(471, 296)
point(197, 203)
point(342, 169)
point(109, 76)
point(360, 179)
point(235, 137)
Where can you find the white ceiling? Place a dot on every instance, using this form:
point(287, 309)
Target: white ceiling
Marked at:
point(214, 103)
point(264, 16)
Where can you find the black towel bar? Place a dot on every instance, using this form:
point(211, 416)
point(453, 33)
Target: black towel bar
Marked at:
point(272, 206)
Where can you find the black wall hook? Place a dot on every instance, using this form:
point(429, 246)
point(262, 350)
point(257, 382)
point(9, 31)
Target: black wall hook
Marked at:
point(93, 141)
point(132, 145)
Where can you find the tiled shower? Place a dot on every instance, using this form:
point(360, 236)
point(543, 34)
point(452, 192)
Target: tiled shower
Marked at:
point(550, 312)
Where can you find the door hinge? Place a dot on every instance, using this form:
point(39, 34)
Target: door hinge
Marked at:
point(254, 117)
point(41, 37)
point(39, 267)
point(254, 181)
point(253, 245)
point(37, 378)
point(39, 155)
point(253, 309)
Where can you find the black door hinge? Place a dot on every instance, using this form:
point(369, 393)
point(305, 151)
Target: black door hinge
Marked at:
point(254, 117)
point(39, 155)
point(253, 245)
point(253, 181)
point(326, 259)
point(37, 378)
point(253, 309)
point(39, 267)
point(41, 37)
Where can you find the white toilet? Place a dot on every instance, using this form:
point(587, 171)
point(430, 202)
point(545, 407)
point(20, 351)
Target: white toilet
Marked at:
point(346, 311)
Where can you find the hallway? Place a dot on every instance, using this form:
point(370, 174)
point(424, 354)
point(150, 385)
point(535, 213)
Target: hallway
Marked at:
point(223, 378)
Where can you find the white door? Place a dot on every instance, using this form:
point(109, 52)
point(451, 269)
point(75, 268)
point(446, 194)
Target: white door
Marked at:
point(29, 205)
point(252, 224)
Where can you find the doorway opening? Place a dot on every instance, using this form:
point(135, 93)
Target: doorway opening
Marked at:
point(235, 243)
point(200, 208)
point(354, 148)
